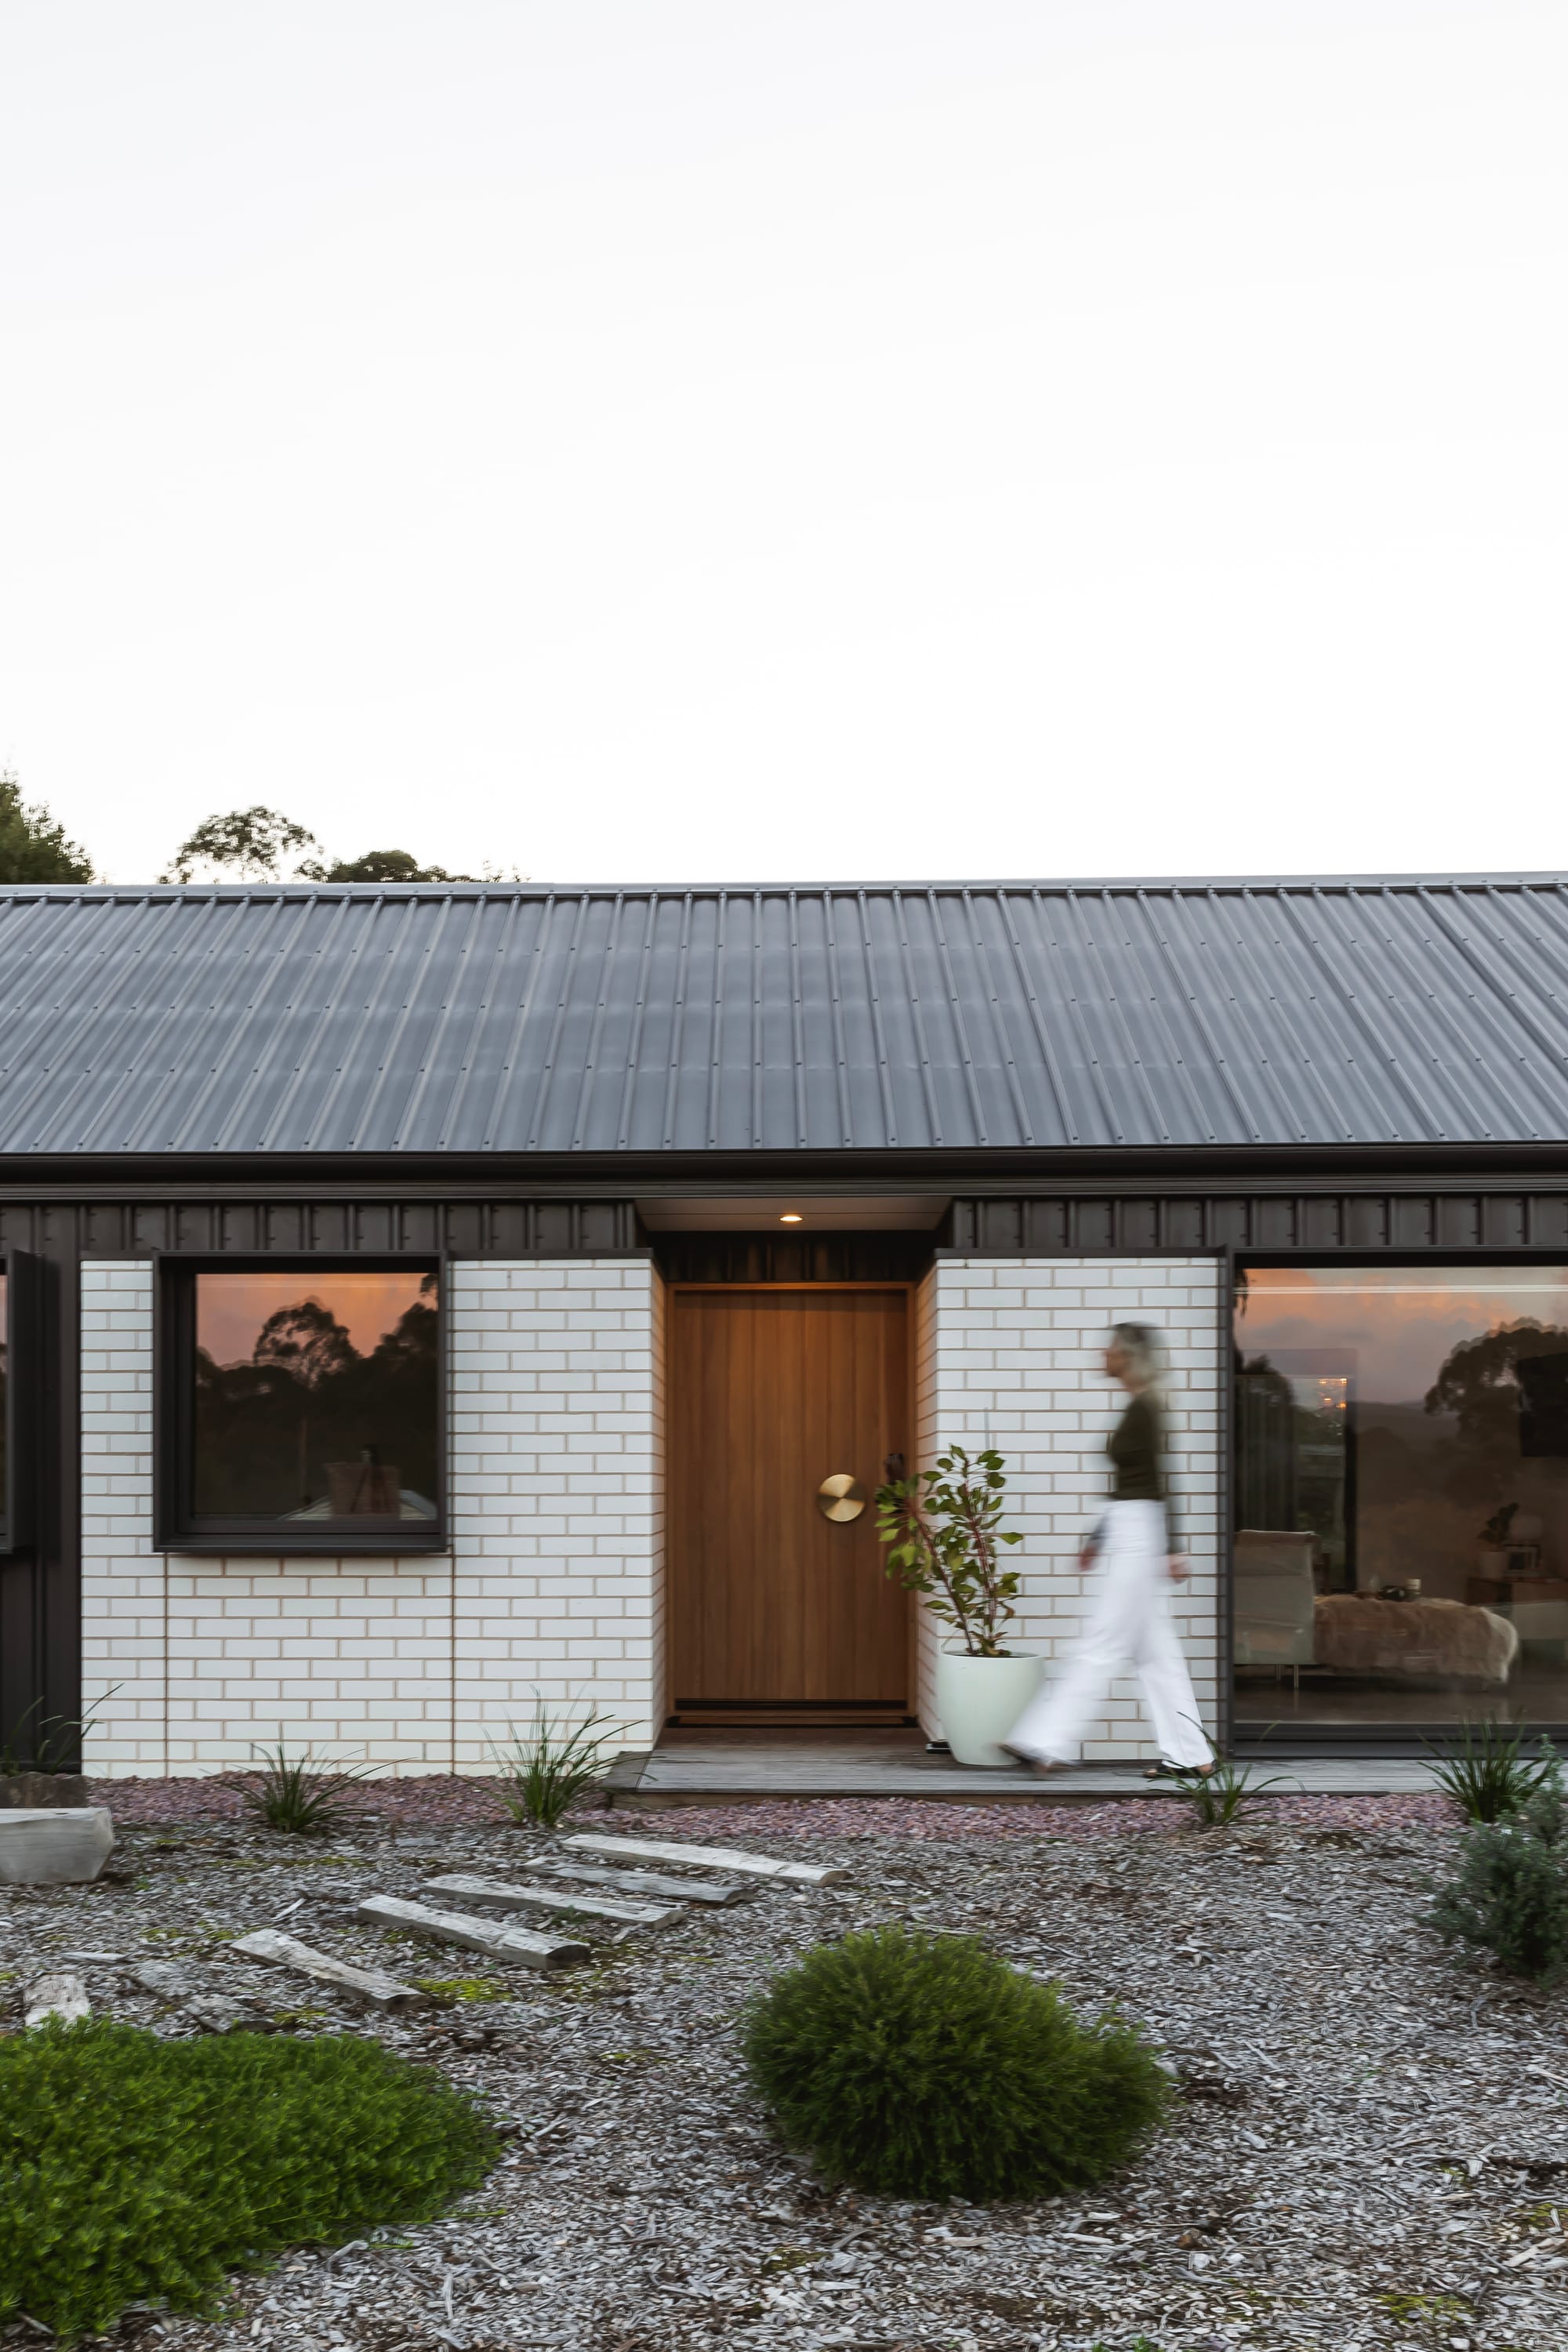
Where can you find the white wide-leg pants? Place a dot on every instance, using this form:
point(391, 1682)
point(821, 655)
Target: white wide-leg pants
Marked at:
point(1129, 1627)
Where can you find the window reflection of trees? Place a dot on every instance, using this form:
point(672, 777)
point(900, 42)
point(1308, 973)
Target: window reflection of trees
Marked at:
point(1508, 1394)
point(308, 1427)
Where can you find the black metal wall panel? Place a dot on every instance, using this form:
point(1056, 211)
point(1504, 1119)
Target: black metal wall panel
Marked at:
point(1322, 1224)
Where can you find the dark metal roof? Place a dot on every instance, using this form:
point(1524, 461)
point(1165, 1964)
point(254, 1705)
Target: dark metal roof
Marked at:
point(325, 1020)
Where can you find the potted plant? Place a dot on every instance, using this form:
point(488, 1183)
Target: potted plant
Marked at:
point(944, 1543)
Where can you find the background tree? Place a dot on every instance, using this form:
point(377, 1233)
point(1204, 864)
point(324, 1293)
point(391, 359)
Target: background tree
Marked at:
point(382, 865)
point(32, 847)
point(246, 845)
point(251, 845)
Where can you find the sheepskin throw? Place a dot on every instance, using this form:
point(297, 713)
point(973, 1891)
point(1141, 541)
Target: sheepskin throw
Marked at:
point(1355, 1634)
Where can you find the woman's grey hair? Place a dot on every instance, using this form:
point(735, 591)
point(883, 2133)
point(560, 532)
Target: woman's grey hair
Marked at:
point(1140, 1343)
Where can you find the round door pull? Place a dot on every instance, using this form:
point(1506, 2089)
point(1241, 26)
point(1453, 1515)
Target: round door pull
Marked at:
point(841, 1498)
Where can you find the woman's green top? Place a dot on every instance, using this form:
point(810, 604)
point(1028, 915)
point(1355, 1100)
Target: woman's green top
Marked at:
point(1136, 1446)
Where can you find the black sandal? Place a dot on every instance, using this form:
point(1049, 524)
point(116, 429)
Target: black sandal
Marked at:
point(1164, 1772)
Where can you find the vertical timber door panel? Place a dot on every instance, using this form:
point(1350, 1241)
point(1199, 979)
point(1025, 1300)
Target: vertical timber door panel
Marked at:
point(772, 1605)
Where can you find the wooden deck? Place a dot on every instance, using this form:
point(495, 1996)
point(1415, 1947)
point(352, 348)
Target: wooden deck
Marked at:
point(715, 1769)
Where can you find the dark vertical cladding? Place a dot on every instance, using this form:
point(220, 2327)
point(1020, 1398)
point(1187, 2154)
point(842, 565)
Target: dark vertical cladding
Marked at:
point(1334, 1220)
point(40, 1604)
point(753, 1257)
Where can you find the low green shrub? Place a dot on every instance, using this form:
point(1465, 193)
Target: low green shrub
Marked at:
point(139, 2170)
point(923, 2066)
point(1510, 1892)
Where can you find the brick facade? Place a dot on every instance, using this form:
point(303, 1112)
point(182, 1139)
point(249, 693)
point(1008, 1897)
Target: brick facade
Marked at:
point(554, 1581)
point(413, 1663)
point(1008, 1354)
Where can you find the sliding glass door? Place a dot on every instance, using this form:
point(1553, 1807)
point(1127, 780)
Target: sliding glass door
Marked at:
point(1401, 1496)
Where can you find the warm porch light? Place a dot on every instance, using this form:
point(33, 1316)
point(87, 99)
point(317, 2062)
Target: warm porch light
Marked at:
point(791, 1217)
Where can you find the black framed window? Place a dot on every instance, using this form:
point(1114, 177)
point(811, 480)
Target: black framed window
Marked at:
point(1401, 1545)
point(300, 1409)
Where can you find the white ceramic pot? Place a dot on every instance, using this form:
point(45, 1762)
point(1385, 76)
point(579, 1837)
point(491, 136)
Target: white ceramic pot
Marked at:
point(980, 1700)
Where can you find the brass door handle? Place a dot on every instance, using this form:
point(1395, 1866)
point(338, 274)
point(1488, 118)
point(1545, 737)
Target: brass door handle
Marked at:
point(841, 1496)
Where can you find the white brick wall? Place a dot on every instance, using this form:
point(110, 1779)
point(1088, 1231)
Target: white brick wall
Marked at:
point(557, 1488)
point(1008, 1354)
point(555, 1577)
point(411, 1661)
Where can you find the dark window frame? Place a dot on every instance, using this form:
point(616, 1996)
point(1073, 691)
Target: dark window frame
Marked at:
point(175, 1524)
point(23, 1275)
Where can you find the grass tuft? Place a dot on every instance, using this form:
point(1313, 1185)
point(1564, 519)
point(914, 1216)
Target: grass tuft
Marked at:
point(299, 1795)
point(1487, 1773)
point(140, 2170)
point(547, 1769)
point(925, 2067)
point(1224, 1795)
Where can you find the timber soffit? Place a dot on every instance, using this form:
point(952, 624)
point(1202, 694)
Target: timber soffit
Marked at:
point(1070, 1018)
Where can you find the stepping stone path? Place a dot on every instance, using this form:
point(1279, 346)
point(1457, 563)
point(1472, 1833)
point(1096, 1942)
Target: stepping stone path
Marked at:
point(522, 1947)
point(719, 1876)
point(716, 1857)
point(516, 1946)
point(494, 1894)
point(287, 1952)
point(700, 1890)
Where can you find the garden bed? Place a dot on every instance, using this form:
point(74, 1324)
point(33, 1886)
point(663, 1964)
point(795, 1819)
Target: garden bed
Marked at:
point(1369, 2151)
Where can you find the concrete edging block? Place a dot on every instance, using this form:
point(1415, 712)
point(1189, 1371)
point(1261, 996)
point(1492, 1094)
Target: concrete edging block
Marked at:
point(58, 1846)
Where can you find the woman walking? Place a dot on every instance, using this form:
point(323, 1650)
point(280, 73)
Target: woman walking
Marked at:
point(1129, 1623)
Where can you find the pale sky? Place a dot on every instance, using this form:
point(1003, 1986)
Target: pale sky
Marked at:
point(761, 439)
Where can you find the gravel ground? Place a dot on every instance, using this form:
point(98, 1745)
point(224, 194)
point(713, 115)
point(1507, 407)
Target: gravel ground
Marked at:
point(1370, 2151)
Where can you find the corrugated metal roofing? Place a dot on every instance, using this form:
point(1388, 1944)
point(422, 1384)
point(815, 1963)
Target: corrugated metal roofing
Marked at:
point(292, 1019)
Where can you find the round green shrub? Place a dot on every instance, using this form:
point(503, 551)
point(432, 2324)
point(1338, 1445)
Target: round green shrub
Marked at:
point(923, 2066)
point(140, 2170)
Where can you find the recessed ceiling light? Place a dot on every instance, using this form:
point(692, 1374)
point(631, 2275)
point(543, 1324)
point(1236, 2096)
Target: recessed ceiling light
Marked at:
point(791, 1217)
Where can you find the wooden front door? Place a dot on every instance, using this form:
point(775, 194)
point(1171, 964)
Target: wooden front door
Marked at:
point(774, 1607)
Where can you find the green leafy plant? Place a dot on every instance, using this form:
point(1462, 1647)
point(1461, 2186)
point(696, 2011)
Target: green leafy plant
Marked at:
point(941, 1527)
point(1510, 1892)
point(545, 1770)
point(140, 2170)
point(1487, 1772)
point(922, 2066)
point(1495, 1534)
point(298, 1794)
